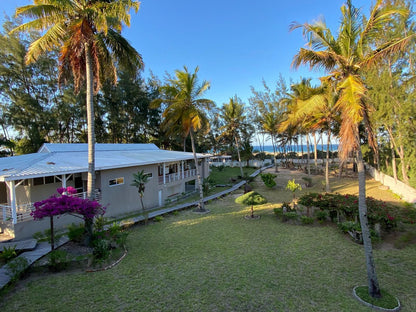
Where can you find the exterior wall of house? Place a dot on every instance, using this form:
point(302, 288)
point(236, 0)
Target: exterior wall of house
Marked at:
point(123, 198)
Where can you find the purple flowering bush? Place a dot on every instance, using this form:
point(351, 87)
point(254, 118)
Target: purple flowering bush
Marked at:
point(66, 203)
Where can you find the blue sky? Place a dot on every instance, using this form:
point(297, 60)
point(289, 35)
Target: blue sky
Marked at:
point(235, 43)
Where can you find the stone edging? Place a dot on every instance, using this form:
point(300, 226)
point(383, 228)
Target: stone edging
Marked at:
point(397, 308)
point(111, 265)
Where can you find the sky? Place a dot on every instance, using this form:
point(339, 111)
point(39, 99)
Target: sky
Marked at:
point(236, 44)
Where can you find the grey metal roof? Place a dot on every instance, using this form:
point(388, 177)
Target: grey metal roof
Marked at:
point(56, 159)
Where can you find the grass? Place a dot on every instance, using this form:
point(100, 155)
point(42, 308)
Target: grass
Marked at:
point(386, 301)
point(222, 262)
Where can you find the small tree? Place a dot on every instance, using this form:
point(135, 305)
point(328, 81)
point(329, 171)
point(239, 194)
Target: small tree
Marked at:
point(250, 199)
point(139, 181)
point(66, 203)
point(268, 179)
point(293, 187)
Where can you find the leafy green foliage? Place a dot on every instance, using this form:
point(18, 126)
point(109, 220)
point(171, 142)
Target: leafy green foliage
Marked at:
point(293, 186)
point(306, 220)
point(76, 232)
point(58, 260)
point(251, 198)
point(8, 253)
point(268, 179)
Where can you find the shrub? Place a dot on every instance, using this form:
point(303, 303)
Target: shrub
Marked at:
point(8, 253)
point(101, 248)
point(292, 215)
point(278, 212)
point(16, 267)
point(251, 198)
point(322, 215)
point(58, 260)
point(349, 226)
point(308, 181)
point(158, 218)
point(268, 179)
point(306, 220)
point(76, 232)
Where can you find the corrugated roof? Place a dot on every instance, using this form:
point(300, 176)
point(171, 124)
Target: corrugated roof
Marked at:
point(55, 160)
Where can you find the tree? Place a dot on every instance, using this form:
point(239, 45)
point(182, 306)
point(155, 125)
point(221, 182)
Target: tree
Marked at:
point(250, 199)
point(233, 117)
point(358, 47)
point(185, 111)
point(139, 181)
point(88, 34)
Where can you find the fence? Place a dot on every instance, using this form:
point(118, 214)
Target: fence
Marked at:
point(405, 191)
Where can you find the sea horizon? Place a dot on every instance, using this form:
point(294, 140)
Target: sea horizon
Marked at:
point(295, 148)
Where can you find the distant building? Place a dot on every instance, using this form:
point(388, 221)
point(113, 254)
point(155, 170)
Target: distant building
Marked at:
point(29, 178)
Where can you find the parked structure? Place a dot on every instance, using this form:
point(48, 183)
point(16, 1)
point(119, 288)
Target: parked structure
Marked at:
point(29, 178)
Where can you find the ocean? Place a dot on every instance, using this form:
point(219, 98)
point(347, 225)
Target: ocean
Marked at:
point(296, 148)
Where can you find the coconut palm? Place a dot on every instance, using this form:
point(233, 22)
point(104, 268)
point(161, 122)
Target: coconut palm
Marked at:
point(139, 180)
point(186, 108)
point(88, 34)
point(347, 57)
point(232, 114)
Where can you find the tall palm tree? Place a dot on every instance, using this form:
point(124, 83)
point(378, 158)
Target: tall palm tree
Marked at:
point(347, 57)
point(88, 34)
point(232, 114)
point(186, 108)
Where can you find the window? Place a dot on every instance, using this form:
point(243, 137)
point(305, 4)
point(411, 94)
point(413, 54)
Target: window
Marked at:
point(117, 181)
point(149, 175)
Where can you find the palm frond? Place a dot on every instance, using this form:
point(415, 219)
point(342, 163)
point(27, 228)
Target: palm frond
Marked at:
point(352, 91)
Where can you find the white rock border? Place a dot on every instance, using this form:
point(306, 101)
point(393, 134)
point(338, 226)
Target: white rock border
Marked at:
point(397, 308)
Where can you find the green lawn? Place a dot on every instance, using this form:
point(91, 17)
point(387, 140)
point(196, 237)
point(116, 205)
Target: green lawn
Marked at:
point(222, 262)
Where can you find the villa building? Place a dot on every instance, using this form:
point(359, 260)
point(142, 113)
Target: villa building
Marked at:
point(30, 178)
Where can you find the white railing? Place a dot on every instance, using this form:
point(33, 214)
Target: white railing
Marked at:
point(23, 210)
point(169, 178)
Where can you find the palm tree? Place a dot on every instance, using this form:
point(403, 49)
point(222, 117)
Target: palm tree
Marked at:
point(88, 34)
point(233, 117)
point(139, 181)
point(186, 108)
point(347, 57)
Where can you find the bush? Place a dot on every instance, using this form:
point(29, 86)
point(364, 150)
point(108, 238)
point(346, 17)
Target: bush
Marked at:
point(278, 212)
point(251, 198)
point(101, 249)
point(158, 218)
point(58, 260)
point(8, 253)
point(349, 226)
point(292, 215)
point(76, 232)
point(268, 179)
point(306, 220)
point(16, 267)
point(308, 181)
point(322, 215)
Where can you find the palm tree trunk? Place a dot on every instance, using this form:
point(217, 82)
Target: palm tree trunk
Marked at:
point(90, 124)
point(327, 188)
point(239, 157)
point(308, 164)
point(315, 152)
point(274, 154)
point(91, 139)
point(198, 175)
point(373, 286)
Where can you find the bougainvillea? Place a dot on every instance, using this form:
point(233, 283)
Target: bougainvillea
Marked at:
point(66, 203)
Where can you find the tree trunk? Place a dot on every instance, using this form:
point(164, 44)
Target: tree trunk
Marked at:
point(274, 154)
point(373, 286)
point(90, 123)
point(201, 207)
point(91, 137)
point(393, 163)
point(327, 188)
point(52, 234)
point(308, 164)
point(315, 152)
point(239, 158)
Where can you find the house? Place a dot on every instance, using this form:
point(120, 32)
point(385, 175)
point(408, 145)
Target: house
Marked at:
point(33, 177)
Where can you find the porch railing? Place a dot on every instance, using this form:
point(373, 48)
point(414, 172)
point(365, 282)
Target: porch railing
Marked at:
point(177, 176)
point(23, 210)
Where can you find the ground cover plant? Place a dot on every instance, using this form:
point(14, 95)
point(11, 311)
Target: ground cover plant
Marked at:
point(221, 262)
